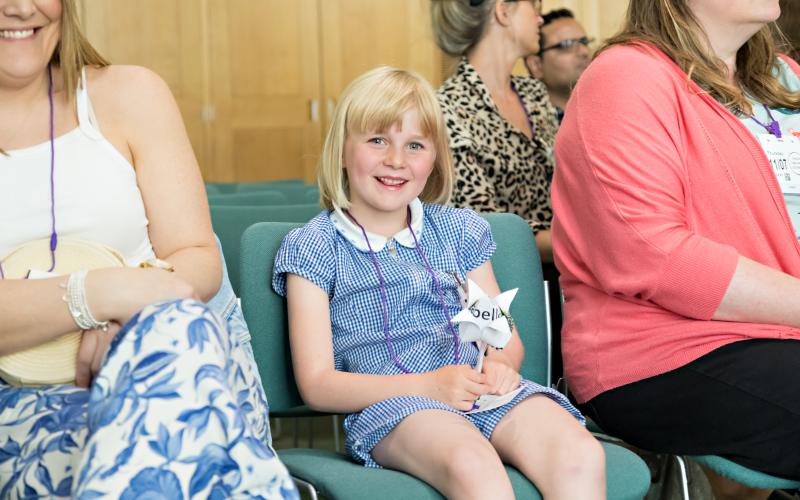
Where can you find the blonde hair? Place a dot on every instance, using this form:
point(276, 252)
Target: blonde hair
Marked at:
point(375, 101)
point(457, 25)
point(73, 51)
point(671, 26)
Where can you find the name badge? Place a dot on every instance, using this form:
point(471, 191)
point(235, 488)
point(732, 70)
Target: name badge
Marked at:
point(784, 156)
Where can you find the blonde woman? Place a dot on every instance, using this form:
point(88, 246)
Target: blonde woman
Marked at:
point(676, 233)
point(170, 404)
point(501, 128)
point(371, 283)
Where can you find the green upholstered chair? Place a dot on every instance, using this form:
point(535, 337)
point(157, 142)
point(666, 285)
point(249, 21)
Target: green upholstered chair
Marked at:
point(255, 198)
point(333, 475)
point(234, 187)
point(295, 193)
point(742, 474)
point(229, 223)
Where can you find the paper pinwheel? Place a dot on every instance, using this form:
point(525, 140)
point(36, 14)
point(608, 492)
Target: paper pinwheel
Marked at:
point(484, 318)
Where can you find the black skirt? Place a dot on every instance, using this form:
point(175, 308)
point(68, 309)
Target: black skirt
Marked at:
point(741, 401)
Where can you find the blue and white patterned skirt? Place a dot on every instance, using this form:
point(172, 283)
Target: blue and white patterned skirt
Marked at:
point(177, 411)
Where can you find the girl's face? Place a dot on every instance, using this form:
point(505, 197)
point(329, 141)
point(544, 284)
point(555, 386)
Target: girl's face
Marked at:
point(386, 171)
point(29, 34)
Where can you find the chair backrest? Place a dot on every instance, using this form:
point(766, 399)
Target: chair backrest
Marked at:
point(229, 223)
point(294, 193)
point(273, 197)
point(234, 187)
point(516, 264)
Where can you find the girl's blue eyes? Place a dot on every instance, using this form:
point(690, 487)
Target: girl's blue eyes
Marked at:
point(414, 146)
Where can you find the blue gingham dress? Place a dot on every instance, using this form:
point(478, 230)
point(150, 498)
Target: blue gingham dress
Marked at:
point(326, 252)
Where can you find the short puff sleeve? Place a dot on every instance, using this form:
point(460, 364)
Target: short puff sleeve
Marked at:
point(308, 253)
point(477, 243)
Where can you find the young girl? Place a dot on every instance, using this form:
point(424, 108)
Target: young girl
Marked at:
point(372, 284)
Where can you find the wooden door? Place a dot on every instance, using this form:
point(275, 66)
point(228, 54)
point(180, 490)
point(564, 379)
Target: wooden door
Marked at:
point(165, 36)
point(265, 89)
point(358, 35)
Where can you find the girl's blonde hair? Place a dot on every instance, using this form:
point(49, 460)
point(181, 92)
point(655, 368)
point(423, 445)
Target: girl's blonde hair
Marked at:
point(374, 102)
point(671, 26)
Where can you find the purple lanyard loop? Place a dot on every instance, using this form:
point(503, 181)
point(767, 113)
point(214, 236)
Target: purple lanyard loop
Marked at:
point(385, 300)
point(53, 234)
point(774, 126)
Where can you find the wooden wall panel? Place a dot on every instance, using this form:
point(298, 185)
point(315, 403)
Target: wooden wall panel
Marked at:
point(358, 35)
point(265, 81)
point(165, 36)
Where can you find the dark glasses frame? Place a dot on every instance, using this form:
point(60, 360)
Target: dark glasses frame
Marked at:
point(568, 44)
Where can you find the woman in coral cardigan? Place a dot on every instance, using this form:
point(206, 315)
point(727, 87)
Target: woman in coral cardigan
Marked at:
point(676, 232)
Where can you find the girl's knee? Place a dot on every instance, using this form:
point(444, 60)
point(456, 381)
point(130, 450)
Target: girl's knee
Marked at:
point(470, 463)
point(579, 454)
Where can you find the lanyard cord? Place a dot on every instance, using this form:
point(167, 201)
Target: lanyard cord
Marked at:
point(774, 126)
point(53, 234)
point(385, 301)
point(525, 109)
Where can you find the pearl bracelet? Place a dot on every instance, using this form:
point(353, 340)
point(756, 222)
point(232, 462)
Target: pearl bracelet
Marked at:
point(76, 302)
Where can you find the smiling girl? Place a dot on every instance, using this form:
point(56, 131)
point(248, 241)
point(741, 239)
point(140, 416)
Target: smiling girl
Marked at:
point(371, 288)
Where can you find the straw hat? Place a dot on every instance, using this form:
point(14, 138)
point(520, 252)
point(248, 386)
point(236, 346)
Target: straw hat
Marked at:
point(53, 362)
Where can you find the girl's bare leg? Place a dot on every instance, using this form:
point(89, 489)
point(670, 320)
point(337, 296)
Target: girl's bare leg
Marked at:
point(448, 452)
point(552, 449)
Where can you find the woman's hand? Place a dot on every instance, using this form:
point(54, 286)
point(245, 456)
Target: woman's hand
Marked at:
point(501, 376)
point(93, 348)
point(117, 294)
point(456, 385)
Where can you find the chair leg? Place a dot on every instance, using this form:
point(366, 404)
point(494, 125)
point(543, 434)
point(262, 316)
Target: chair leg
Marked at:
point(336, 432)
point(683, 475)
point(312, 492)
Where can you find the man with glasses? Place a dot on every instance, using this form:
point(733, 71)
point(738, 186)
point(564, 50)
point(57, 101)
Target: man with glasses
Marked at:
point(563, 55)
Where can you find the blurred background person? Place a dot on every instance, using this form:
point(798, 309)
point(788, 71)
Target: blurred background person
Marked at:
point(563, 55)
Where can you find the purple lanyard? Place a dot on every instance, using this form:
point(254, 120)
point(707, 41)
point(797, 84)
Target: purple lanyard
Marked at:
point(525, 109)
point(53, 234)
point(774, 127)
point(385, 301)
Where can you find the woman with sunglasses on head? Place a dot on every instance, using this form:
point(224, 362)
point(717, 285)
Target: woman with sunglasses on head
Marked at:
point(163, 398)
point(501, 127)
point(676, 235)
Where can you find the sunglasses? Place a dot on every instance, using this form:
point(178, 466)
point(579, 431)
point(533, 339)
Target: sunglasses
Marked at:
point(569, 44)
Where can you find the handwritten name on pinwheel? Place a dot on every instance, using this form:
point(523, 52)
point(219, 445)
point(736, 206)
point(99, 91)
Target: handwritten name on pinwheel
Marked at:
point(485, 319)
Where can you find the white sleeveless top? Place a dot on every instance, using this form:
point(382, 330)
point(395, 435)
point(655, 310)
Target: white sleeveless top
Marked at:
point(96, 195)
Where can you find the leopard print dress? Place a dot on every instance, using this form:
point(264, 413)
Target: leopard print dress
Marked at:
point(498, 168)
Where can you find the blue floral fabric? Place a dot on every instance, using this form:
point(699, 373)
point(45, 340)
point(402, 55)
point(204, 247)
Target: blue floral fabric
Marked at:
point(177, 411)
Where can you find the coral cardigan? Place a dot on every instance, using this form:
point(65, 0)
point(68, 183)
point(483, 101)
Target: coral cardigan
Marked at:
point(657, 191)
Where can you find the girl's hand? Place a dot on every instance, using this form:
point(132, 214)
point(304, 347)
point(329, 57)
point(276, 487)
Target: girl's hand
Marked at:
point(501, 376)
point(456, 385)
point(118, 293)
point(92, 350)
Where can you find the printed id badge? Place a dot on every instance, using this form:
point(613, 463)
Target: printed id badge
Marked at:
point(784, 156)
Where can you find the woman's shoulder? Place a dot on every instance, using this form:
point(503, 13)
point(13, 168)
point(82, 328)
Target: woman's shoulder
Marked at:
point(625, 75)
point(124, 84)
point(530, 86)
point(127, 100)
point(637, 60)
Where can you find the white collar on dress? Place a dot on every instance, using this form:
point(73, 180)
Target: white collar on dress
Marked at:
point(352, 232)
